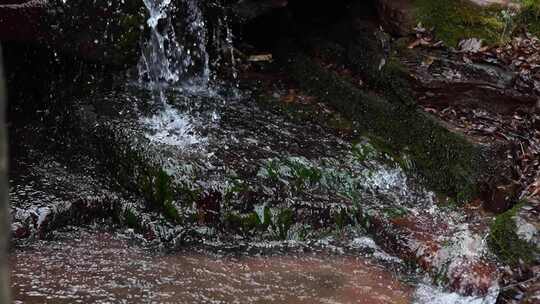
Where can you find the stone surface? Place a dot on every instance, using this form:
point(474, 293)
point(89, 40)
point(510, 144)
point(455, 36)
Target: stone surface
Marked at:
point(451, 252)
point(251, 9)
point(441, 77)
point(96, 31)
point(23, 21)
point(397, 16)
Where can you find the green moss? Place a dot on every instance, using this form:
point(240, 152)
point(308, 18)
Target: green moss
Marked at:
point(245, 222)
point(171, 212)
point(505, 242)
point(449, 163)
point(305, 112)
point(389, 80)
point(454, 20)
point(283, 222)
point(232, 221)
point(394, 212)
point(236, 187)
point(342, 218)
point(272, 170)
point(337, 122)
point(252, 222)
point(377, 148)
point(365, 152)
point(131, 220)
point(303, 174)
point(156, 188)
point(162, 188)
point(135, 174)
point(530, 16)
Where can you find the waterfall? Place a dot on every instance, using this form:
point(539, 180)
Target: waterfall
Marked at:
point(159, 60)
point(171, 59)
point(173, 56)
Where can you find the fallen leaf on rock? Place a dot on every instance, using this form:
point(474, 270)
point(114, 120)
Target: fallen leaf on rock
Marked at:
point(428, 61)
point(290, 97)
point(260, 58)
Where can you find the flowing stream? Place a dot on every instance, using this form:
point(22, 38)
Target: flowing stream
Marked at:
point(81, 266)
point(251, 156)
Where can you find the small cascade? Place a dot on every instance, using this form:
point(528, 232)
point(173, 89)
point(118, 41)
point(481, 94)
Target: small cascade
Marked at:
point(174, 57)
point(175, 53)
point(157, 64)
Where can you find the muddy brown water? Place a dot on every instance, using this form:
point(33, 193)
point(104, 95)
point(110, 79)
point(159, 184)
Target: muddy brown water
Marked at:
point(104, 268)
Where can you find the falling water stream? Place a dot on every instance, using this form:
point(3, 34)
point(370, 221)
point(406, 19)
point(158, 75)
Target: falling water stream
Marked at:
point(202, 139)
point(172, 60)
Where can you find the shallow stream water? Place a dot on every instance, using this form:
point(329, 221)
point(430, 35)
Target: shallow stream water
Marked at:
point(102, 267)
point(89, 266)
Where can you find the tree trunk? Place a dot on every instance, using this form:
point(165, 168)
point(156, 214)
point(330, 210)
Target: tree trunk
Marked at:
point(4, 208)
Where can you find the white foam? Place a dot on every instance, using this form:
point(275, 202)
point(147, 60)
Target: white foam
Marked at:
point(43, 212)
point(427, 294)
point(525, 230)
point(367, 242)
point(172, 128)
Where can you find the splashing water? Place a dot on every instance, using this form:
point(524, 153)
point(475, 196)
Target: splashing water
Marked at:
point(171, 127)
point(159, 61)
point(169, 59)
point(174, 61)
point(427, 294)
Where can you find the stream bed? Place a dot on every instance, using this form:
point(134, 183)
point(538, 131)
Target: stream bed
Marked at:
point(87, 266)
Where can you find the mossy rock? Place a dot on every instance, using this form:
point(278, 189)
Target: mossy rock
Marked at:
point(283, 222)
point(530, 16)
point(454, 20)
point(449, 162)
point(506, 243)
point(131, 220)
point(246, 223)
point(132, 170)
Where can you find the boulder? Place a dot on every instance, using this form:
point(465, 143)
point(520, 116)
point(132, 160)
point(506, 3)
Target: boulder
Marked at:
point(515, 234)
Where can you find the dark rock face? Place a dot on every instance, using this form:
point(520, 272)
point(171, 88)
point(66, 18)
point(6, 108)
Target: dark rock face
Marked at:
point(22, 20)
point(95, 31)
point(250, 9)
point(397, 16)
point(98, 31)
point(209, 207)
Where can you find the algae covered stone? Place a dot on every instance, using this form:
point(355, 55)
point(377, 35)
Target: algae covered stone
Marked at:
point(514, 239)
